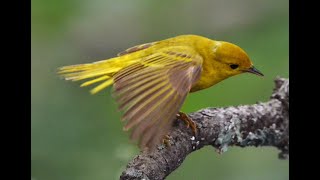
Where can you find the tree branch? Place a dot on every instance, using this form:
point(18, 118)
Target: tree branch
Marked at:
point(261, 124)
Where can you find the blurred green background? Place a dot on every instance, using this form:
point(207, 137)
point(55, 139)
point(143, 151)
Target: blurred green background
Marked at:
point(77, 136)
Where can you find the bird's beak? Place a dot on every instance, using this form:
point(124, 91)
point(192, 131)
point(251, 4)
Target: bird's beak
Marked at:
point(255, 71)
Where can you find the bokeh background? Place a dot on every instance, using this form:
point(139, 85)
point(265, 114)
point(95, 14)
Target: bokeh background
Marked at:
point(77, 136)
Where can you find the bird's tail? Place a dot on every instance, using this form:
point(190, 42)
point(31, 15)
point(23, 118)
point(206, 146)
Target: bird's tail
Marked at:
point(100, 71)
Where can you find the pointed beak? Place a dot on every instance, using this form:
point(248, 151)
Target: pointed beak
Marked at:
point(255, 71)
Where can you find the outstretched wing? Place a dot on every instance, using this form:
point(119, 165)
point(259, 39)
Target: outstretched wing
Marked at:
point(152, 91)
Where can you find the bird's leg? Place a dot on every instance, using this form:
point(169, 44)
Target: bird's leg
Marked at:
point(190, 123)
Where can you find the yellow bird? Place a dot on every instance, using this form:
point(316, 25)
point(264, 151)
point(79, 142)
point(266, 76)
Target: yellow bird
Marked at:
point(152, 80)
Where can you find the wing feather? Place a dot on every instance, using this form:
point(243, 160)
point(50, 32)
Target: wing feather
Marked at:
point(152, 91)
point(136, 48)
point(144, 95)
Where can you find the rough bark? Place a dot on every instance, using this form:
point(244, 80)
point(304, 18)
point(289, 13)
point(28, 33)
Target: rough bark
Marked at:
point(261, 124)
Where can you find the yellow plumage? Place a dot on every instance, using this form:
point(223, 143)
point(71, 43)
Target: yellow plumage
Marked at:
point(152, 80)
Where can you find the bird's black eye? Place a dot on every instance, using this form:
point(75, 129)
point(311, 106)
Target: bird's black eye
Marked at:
point(234, 66)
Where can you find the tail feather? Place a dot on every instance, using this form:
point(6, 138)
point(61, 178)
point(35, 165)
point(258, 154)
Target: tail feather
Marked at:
point(74, 68)
point(87, 83)
point(90, 73)
point(101, 86)
point(101, 71)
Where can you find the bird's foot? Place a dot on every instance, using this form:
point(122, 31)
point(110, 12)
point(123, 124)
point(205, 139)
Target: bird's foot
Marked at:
point(190, 123)
point(166, 141)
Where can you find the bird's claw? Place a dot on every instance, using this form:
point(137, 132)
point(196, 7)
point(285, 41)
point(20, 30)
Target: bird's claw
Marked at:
point(166, 140)
point(190, 123)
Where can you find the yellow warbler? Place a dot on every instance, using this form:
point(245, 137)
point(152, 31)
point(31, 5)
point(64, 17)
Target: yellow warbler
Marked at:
point(152, 80)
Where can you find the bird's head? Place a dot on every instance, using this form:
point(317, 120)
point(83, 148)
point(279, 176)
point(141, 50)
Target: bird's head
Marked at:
point(233, 60)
